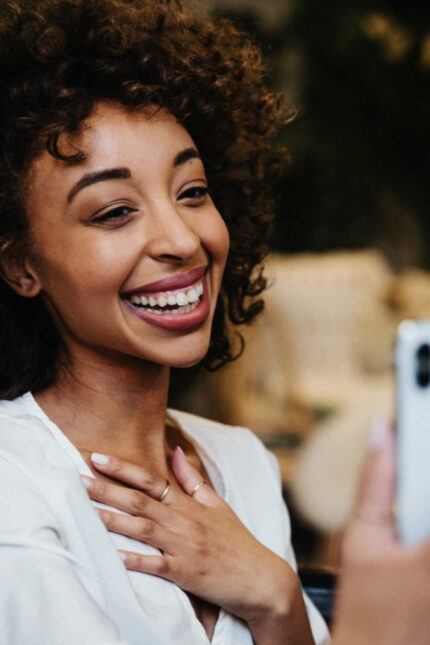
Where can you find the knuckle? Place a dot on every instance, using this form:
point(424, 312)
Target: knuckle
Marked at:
point(102, 488)
point(134, 561)
point(99, 488)
point(163, 567)
point(149, 481)
point(138, 503)
point(146, 528)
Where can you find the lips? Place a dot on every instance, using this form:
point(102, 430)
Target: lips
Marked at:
point(177, 303)
point(178, 281)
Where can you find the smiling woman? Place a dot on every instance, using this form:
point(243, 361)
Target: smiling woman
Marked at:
point(54, 68)
point(143, 228)
point(135, 159)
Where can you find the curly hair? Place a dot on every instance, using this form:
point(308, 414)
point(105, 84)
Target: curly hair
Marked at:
point(56, 62)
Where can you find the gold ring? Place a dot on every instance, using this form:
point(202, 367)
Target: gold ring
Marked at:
point(165, 491)
point(196, 488)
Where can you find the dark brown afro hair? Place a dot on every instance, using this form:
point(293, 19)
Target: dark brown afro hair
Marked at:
point(56, 62)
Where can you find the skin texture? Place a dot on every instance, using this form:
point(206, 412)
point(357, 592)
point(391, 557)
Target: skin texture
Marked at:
point(89, 248)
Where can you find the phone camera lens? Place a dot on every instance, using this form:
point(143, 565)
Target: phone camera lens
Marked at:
point(423, 365)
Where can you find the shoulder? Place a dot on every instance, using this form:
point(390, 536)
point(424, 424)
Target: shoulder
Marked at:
point(19, 427)
point(26, 477)
point(25, 441)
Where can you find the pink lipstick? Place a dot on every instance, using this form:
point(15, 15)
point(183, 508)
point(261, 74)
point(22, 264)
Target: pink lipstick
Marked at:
point(178, 281)
point(177, 303)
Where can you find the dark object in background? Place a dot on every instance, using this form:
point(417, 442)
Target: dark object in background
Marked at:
point(318, 582)
point(320, 586)
point(359, 74)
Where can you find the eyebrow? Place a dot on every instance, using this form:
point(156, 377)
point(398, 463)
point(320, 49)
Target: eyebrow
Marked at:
point(94, 177)
point(124, 173)
point(185, 155)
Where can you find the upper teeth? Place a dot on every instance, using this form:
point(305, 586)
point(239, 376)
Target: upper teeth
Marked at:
point(176, 299)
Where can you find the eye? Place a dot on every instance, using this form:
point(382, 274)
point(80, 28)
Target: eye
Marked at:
point(195, 195)
point(114, 215)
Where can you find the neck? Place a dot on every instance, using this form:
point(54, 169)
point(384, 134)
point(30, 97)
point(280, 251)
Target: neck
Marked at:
point(114, 408)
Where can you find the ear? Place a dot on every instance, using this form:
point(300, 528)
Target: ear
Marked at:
point(18, 271)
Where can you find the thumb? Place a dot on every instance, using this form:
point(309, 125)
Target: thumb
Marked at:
point(191, 480)
point(377, 487)
point(371, 531)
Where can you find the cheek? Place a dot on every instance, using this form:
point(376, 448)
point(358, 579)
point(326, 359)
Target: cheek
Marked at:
point(217, 240)
point(89, 267)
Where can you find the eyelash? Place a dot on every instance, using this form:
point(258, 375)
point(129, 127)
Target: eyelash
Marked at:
point(117, 214)
point(111, 215)
point(190, 193)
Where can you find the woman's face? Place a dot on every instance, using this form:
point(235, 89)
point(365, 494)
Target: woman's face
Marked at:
point(129, 249)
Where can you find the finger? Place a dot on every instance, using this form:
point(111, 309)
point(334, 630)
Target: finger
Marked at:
point(191, 480)
point(156, 565)
point(126, 499)
point(139, 528)
point(376, 493)
point(152, 484)
point(370, 532)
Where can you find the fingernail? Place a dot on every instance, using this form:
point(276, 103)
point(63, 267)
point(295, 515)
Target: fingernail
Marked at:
point(122, 556)
point(379, 430)
point(99, 459)
point(86, 481)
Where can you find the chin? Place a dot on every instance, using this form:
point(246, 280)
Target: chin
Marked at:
point(184, 364)
point(189, 358)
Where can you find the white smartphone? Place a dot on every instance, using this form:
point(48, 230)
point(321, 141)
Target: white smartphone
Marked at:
point(412, 361)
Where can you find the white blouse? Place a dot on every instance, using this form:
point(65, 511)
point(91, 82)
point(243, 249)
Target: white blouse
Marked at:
point(62, 580)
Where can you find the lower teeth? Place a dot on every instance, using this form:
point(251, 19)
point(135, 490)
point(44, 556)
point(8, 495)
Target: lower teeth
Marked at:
point(180, 310)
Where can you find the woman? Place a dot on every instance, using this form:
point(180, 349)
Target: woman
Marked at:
point(135, 163)
point(109, 110)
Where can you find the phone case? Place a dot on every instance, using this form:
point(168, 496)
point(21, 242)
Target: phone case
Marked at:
point(412, 360)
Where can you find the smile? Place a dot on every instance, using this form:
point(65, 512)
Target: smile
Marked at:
point(178, 301)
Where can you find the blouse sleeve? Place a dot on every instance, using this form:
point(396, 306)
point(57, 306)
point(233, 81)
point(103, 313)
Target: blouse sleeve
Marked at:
point(42, 600)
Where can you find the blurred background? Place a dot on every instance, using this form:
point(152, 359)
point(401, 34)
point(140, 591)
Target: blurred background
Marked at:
point(351, 247)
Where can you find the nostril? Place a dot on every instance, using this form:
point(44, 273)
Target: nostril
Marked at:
point(171, 257)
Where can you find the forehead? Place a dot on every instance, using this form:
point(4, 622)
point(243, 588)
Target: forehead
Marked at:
point(112, 135)
point(112, 126)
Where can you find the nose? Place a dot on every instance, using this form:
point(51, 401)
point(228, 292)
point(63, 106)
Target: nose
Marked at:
point(172, 237)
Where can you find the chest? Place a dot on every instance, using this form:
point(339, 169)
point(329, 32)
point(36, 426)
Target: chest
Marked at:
point(205, 612)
